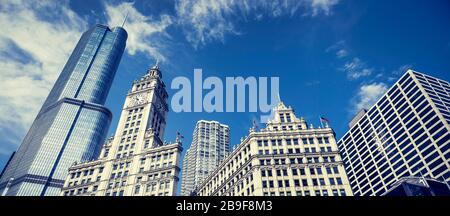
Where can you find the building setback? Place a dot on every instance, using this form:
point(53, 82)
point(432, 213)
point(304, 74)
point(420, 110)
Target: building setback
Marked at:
point(286, 158)
point(404, 134)
point(135, 161)
point(210, 145)
point(72, 123)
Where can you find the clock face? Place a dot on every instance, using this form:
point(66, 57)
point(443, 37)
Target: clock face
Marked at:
point(137, 100)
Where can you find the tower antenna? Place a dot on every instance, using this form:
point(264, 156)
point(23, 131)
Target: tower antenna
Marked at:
point(125, 19)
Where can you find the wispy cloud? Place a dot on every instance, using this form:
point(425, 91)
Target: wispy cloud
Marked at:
point(33, 52)
point(144, 33)
point(397, 73)
point(356, 69)
point(402, 69)
point(205, 21)
point(367, 95)
point(342, 53)
point(340, 49)
point(324, 6)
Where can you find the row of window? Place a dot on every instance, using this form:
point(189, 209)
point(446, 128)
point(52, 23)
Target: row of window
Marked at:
point(295, 151)
point(301, 182)
point(301, 171)
point(334, 192)
point(297, 160)
point(294, 141)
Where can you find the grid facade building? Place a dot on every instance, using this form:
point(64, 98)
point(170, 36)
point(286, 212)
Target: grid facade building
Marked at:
point(406, 133)
point(286, 158)
point(72, 124)
point(210, 145)
point(135, 161)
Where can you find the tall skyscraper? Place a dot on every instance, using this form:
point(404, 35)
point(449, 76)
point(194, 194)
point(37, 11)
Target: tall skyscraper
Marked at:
point(210, 145)
point(406, 133)
point(72, 124)
point(136, 161)
point(287, 158)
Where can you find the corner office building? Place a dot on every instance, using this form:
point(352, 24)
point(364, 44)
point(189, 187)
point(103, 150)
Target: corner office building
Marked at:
point(72, 124)
point(406, 133)
point(286, 158)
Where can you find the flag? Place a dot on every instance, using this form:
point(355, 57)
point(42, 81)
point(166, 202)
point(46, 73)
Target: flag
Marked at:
point(179, 135)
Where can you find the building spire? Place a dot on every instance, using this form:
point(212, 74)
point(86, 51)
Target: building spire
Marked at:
point(124, 20)
point(156, 66)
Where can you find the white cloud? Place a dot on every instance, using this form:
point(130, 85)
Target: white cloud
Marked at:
point(33, 52)
point(367, 95)
point(342, 53)
point(356, 69)
point(397, 73)
point(204, 21)
point(324, 6)
point(340, 49)
point(144, 33)
point(402, 69)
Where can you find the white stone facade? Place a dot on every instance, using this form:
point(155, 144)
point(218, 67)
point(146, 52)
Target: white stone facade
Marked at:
point(287, 158)
point(135, 161)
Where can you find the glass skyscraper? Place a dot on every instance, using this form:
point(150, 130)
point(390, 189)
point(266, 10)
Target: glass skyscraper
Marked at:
point(72, 124)
point(406, 133)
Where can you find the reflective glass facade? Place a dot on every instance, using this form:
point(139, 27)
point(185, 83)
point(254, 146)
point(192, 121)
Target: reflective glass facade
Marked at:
point(72, 124)
point(406, 133)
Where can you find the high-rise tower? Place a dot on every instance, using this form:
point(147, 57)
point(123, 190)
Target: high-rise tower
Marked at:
point(136, 161)
point(210, 145)
point(72, 124)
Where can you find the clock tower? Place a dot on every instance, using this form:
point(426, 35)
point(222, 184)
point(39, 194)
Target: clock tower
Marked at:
point(135, 161)
point(149, 97)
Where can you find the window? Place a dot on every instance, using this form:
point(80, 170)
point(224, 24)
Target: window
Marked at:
point(332, 181)
point(137, 189)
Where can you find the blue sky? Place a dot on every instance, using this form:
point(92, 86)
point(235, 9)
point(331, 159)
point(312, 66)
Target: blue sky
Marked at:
point(333, 57)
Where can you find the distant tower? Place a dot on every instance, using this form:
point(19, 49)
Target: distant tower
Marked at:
point(210, 145)
point(72, 123)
